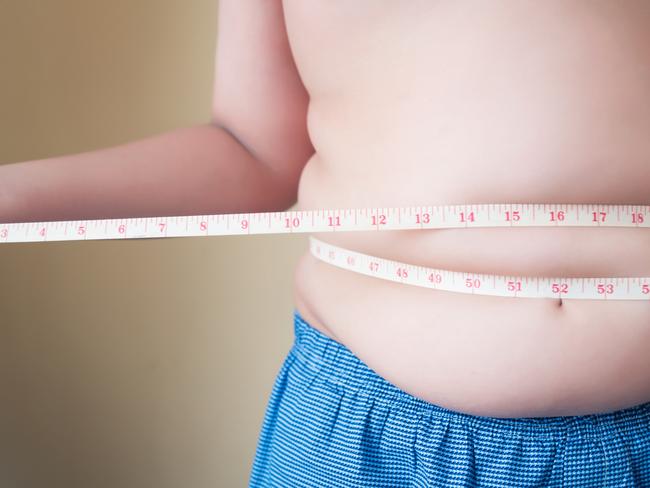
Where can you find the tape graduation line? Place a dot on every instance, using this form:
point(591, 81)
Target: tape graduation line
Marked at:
point(376, 219)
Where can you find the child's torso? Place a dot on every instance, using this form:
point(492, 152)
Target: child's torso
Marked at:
point(430, 103)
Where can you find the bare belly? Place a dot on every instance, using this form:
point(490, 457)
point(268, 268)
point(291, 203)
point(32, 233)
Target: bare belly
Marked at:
point(550, 119)
point(495, 356)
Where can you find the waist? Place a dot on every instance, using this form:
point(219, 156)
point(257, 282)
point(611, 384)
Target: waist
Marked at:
point(335, 182)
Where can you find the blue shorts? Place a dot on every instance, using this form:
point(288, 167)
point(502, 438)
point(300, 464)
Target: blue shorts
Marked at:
point(331, 421)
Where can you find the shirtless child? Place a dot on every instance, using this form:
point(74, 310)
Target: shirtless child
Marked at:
point(386, 103)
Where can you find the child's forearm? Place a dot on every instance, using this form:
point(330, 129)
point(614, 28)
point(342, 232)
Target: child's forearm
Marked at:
point(190, 171)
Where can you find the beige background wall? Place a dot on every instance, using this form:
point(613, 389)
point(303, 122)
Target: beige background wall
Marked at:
point(143, 363)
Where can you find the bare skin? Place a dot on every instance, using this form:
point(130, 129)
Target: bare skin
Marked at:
point(432, 103)
point(395, 103)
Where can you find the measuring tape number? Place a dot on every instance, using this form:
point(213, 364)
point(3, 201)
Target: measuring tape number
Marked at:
point(389, 218)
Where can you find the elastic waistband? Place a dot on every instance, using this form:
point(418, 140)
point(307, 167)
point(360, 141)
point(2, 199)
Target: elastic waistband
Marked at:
point(339, 365)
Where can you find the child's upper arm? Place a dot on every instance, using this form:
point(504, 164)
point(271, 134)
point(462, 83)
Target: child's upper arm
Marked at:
point(258, 94)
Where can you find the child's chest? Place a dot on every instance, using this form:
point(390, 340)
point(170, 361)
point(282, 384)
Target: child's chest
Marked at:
point(408, 46)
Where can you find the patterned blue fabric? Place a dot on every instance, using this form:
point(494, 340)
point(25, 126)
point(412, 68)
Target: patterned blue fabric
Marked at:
point(331, 421)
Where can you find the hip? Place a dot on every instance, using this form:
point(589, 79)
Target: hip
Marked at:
point(332, 421)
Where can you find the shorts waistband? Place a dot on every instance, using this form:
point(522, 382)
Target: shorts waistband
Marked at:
point(340, 366)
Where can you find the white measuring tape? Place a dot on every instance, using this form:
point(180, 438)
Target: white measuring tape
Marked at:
point(482, 284)
point(391, 218)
